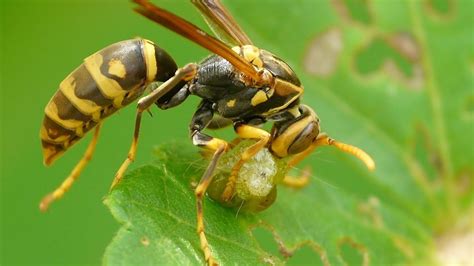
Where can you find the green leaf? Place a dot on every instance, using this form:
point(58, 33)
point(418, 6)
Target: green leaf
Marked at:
point(392, 77)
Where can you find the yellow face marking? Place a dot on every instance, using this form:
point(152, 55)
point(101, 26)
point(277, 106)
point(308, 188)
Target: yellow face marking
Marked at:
point(150, 60)
point(117, 68)
point(281, 143)
point(231, 103)
point(110, 88)
point(259, 98)
point(84, 106)
point(51, 111)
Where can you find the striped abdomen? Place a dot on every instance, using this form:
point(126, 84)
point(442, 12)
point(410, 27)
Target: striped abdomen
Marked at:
point(107, 81)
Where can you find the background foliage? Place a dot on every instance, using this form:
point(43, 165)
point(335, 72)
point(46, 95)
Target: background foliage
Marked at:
point(397, 82)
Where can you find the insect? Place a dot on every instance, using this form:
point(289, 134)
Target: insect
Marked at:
point(239, 84)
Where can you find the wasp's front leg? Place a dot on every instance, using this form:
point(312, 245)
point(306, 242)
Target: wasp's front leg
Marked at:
point(245, 132)
point(201, 119)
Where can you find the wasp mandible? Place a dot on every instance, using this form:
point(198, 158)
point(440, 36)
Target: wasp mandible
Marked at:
point(240, 85)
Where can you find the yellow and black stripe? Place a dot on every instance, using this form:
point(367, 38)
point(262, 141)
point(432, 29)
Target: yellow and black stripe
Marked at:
point(107, 81)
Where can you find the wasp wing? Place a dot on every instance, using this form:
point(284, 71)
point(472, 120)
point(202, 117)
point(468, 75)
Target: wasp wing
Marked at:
point(196, 35)
point(221, 22)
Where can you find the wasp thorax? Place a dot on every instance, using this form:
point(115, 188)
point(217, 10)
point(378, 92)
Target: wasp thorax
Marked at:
point(255, 188)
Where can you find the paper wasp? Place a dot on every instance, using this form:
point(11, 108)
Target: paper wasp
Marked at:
point(239, 84)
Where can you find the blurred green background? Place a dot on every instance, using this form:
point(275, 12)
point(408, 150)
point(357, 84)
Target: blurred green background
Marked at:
point(42, 41)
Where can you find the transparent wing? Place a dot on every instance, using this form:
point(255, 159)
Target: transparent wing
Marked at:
point(221, 22)
point(196, 35)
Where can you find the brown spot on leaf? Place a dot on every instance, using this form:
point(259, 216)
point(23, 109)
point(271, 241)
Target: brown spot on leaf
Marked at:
point(424, 160)
point(370, 209)
point(322, 55)
point(347, 246)
point(355, 11)
point(405, 43)
point(260, 230)
point(398, 55)
point(145, 241)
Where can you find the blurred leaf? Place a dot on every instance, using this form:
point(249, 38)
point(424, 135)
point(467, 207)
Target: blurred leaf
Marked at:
point(398, 85)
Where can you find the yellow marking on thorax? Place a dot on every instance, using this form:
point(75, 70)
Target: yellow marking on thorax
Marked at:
point(86, 107)
point(231, 103)
point(236, 49)
point(285, 88)
point(150, 60)
point(259, 98)
point(252, 54)
point(110, 88)
point(51, 111)
point(117, 68)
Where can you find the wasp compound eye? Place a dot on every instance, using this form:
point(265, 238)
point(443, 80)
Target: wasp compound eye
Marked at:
point(304, 139)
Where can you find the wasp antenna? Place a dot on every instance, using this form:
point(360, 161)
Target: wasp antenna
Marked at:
point(357, 152)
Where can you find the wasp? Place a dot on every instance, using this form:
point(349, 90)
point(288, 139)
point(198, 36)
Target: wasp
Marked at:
point(239, 84)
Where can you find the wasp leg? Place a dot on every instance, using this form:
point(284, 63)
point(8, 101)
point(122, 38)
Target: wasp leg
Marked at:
point(74, 175)
point(200, 192)
point(323, 140)
point(245, 132)
point(175, 99)
point(298, 181)
point(183, 74)
point(200, 120)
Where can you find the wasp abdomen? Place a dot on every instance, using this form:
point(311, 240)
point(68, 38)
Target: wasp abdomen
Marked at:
point(107, 81)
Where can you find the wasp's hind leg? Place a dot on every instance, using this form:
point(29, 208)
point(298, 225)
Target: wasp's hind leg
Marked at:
point(201, 119)
point(245, 132)
point(74, 175)
point(182, 75)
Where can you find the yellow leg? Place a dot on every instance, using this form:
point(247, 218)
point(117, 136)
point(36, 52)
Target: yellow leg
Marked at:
point(131, 153)
point(73, 176)
point(219, 146)
point(185, 73)
point(299, 181)
point(245, 132)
